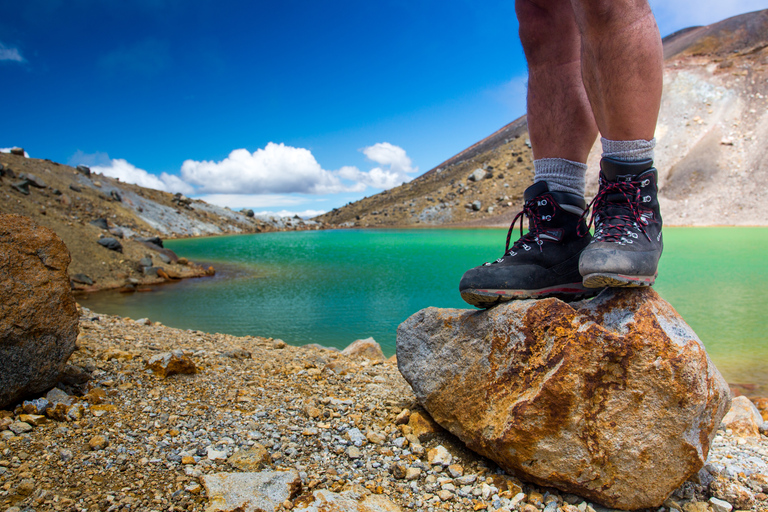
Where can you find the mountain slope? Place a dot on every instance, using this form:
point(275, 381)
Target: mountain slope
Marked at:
point(711, 146)
point(67, 201)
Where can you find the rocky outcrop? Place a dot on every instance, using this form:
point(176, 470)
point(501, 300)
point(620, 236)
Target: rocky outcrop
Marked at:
point(38, 314)
point(614, 399)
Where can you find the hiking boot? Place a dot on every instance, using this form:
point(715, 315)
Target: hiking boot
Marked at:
point(544, 262)
point(626, 246)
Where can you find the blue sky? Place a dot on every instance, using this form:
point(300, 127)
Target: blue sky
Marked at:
point(290, 106)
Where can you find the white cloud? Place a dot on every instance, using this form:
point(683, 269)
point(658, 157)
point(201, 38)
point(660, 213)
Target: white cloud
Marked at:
point(238, 201)
point(399, 166)
point(10, 53)
point(8, 150)
point(276, 169)
point(129, 173)
point(678, 14)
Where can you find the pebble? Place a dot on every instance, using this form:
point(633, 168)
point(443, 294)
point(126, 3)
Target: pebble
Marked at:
point(98, 443)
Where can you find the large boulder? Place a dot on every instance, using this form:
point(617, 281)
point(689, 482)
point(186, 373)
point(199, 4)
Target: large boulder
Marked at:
point(38, 314)
point(613, 399)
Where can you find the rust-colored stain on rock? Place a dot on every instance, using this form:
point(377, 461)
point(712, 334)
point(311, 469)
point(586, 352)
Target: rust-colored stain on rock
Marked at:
point(614, 399)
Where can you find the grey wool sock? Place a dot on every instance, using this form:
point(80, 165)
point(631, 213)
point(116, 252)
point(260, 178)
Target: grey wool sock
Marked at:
point(560, 174)
point(628, 150)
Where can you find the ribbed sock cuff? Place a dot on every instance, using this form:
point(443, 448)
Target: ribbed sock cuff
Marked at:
point(628, 150)
point(560, 174)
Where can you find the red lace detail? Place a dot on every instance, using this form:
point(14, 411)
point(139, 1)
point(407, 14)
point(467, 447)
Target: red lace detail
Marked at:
point(614, 227)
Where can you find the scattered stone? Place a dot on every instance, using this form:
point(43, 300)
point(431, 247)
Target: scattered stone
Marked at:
point(170, 363)
point(367, 348)
point(117, 232)
point(743, 418)
point(477, 205)
point(115, 196)
point(247, 212)
point(20, 427)
point(733, 492)
point(17, 151)
point(38, 313)
point(251, 459)
point(439, 456)
point(403, 417)
point(353, 452)
point(100, 223)
point(33, 419)
point(348, 501)
point(111, 244)
point(75, 188)
point(164, 258)
point(477, 175)
point(153, 240)
point(33, 180)
point(84, 170)
point(719, 505)
point(455, 470)
point(98, 443)
point(250, 492)
point(412, 473)
point(82, 279)
point(21, 186)
point(538, 374)
point(36, 406)
point(423, 426)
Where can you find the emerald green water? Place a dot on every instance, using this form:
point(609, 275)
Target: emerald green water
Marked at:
point(333, 287)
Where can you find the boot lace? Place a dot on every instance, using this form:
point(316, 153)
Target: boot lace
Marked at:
point(615, 197)
point(535, 228)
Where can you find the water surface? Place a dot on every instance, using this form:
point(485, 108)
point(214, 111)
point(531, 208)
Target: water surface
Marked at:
point(333, 287)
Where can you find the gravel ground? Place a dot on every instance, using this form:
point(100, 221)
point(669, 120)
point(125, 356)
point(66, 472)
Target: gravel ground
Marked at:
point(135, 441)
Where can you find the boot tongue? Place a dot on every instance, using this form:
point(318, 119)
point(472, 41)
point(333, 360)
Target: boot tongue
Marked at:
point(535, 190)
point(614, 170)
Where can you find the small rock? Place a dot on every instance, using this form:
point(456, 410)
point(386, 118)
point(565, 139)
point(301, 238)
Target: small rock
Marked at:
point(146, 261)
point(733, 492)
point(20, 427)
point(697, 506)
point(21, 186)
point(37, 406)
point(353, 452)
point(423, 426)
point(439, 456)
point(455, 470)
point(356, 437)
point(743, 418)
point(98, 443)
point(213, 454)
point(26, 487)
point(170, 363)
point(719, 505)
point(367, 348)
point(477, 205)
point(83, 169)
point(164, 258)
point(250, 492)
point(375, 437)
point(111, 243)
point(17, 151)
point(399, 471)
point(403, 417)
point(445, 495)
point(82, 279)
point(33, 419)
point(100, 223)
point(412, 473)
point(75, 188)
point(251, 459)
point(477, 175)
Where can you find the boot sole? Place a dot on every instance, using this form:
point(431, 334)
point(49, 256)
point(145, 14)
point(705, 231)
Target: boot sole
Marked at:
point(483, 298)
point(609, 280)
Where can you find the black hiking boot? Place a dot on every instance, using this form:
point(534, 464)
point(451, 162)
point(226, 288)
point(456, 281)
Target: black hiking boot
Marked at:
point(542, 263)
point(627, 243)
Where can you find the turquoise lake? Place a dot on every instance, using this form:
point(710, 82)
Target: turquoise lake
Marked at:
point(333, 287)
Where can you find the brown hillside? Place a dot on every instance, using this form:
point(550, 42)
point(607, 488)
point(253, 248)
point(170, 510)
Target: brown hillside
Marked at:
point(67, 200)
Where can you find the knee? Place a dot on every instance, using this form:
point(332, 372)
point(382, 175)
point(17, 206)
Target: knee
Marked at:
point(598, 15)
point(542, 22)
